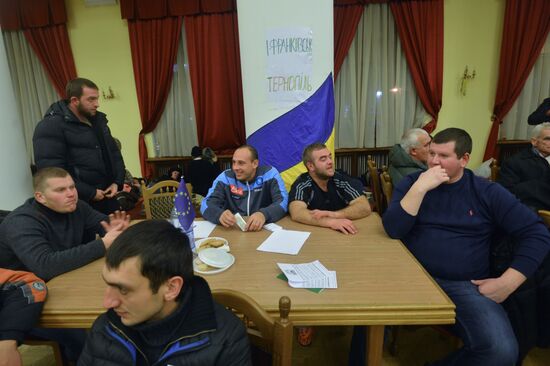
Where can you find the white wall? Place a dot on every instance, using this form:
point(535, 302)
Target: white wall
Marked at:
point(15, 174)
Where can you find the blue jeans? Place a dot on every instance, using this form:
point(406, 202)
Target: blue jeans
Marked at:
point(483, 326)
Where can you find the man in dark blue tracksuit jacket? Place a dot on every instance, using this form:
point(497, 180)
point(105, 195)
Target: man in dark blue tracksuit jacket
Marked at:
point(248, 189)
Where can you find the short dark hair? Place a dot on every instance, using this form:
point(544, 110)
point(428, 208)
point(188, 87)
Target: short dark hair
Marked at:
point(306, 155)
point(74, 87)
point(162, 249)
point(252, 149)
point(40, 177)
point(196, 152)
point(461, 138)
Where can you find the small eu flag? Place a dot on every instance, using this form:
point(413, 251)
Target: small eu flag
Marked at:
point(184, 207)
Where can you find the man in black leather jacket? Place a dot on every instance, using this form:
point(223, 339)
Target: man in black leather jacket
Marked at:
point(74, 135)
point(159, 312)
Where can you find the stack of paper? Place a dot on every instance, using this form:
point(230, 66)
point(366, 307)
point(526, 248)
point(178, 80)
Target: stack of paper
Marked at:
point(309, 275)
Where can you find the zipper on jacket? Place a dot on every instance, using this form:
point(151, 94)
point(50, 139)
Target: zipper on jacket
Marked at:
point(167, 347)
point(248, 200)
point(118, 330)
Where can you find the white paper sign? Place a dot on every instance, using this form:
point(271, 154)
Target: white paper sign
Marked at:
point(289, 64)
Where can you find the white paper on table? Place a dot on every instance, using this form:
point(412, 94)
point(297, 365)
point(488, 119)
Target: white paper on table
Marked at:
point(203, 228)
point(272, 227)
point(309, 275)
point(284, 241)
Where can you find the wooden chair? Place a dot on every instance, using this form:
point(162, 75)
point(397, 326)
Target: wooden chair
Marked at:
point(274, 336)
point(55, 348)
point(387, 186)
point(495, 170)
point(375, 184)
point(158, 200)
point(545, 216)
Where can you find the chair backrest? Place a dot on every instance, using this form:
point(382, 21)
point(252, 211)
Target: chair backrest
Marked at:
point(387, 186)
point(158, 200)
point(545, 216)
point(495, 170)
point(268, 334)
point(375, 183)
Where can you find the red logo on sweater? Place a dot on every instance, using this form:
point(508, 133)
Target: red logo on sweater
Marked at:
point(235, 190)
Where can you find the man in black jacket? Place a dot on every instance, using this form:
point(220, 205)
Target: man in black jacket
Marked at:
point(159, 312)
point(48, 235)
point(74, 136)
point(527, 173)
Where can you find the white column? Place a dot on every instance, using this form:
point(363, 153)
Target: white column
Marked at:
point(287, 54)
point(15, 174)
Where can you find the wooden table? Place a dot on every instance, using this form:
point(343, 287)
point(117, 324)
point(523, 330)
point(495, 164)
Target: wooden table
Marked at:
point(379, 283)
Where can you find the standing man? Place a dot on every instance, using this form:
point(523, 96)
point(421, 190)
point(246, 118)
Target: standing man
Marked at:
point(48, 234)
point(527, 173)
point(447, 217)
point(541, 114)
point(410, 155)
point(74, 136)
point(248, 189)
point(159, 313)
point(324, 197)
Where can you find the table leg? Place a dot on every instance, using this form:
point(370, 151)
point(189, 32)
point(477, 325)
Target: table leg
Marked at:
point(375, 344)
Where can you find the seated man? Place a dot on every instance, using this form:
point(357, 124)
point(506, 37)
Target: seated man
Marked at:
point(527, 173)
point(446, 216)
point(410, 155)
point(248, 189)
point(47, 234)
point(158, 311)
point(324, 197)
point(22, 296)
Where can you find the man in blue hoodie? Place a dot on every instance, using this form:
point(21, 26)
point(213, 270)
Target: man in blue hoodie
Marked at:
point(447, 217)
point(248, 189)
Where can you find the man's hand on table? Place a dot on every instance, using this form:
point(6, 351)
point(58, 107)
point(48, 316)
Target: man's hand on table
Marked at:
point(227, 219)
point(255, 222)
point(345, 226)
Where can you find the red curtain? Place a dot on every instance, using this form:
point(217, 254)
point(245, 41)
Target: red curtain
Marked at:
point(420, 27)
point(346, 19)
point(22, 14)
point(147, 9)
point(154, 44)
point(51, 45)
point(526, 27)
point(215, 69)
point(43, 23)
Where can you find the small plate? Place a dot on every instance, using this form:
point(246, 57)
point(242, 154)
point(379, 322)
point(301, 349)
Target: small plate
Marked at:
point(211, 270)
point(205, 241)
point(216, 257)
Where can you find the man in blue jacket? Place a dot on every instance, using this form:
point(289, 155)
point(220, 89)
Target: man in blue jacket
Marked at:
point(446, 216)
point(248, 189)
point(159, 313)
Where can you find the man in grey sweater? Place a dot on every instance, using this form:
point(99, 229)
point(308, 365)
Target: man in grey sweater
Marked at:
point(410, 155)
point(48, 234)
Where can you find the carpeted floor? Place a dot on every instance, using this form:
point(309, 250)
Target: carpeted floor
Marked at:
point(415, 347)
